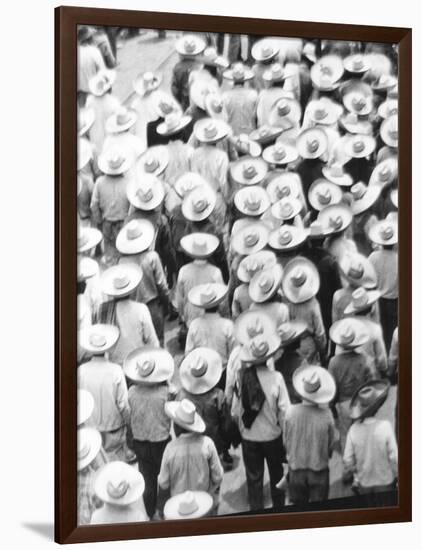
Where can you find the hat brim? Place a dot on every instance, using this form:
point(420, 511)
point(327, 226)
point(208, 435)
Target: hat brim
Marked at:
point(111, 76)
point(85, 406)
point(361, 336)
point(386, 138)
point(198, 425)
point(370, 198)
point(162, 157)
point(94, 448)
point(223, 130)
point(156, 200)
point(357, 411)
point(376, 238)
point(290, 156)
point(134, 479)
point(373, 296)
point(142, 90)
point(299, 330)
point(299, 236)
point(194, 295)
point(188, 211)
point(163, 370)
point(256, 294)
point(247, 75)
point(89, 121)
point(369, 148)
point(134, 274)
point(109, 171)
point(110, 333)
point(249, 318)
point(331, 211)
point(246, 356)
point(267, 259)
point(204, 501)
point(236, 170)
point(296, 209)
point(326, 392)
point(113, 127)
point(164, 130)
point(263, 139)
point(305, 136)
point(186, 244)
point(135, 246)
point(298, 295)
point(345, 180)
point(238, 239)
point(87, 268)
point(239, 201)
point(197, 385)
point(360, 127)
point(335, 191)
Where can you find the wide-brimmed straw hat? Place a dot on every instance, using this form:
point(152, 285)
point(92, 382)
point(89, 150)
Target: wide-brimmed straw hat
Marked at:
point(389, 131)
point(287, 237)
point(183, 413)
point(200, 370)
point(358, 97)
point(300, 281)
point(266, 134)
point(312, 143)
point(314, 384)
point(200, 88)
point(121, 280)
point(285, 185)
point(115, 161)
point(119, 484)
point(85, 406)
point(188, 505)
point(238, 73)
point(364, 197)
point(120, 121)
point(388, 108)
point(251, 238)
point(165, 104)
point(368, 399)
point(211, 58)
point(326, 72)
point(286, 209)
point(265, 284)
point(199, 203)
point(89, 445)
point(291, 331)
point(384, 172)
point(285, 113)
point(146, 83)
point(336, 174)
point(188, 182)
point(357, 63)
point(98, 338)
point(248, 171)
point(87, 268)
point(88, 238)
point(394, 196)
point(264, 49)
point(252, 200)
point(190, 45)
point(359, 145)
point(211, 130)
point(253, 323)
point(349, 333)
point(384, 82)
point(207, 295)
point(84, 153)
point(324, 111)
point(147, 193)
point(101, 83)
point(173, 123)
point(135, 237)
point(199, 245)
point(255, 263)
point(384, 232)
point(335, 218)
point(153, 161)
point(274, 73)
point(86, 119)
point(280, 153)
point(355, 125)
point(214, 106)
point(246, 146)
point(323, 193)
point(260, 348)
point(149, 365)
point(361, 300)
point(309, 51)
point(358, 270)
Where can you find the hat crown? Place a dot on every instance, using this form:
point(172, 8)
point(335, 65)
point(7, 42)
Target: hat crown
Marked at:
point(266, 282)
point(166, 107)
point(133, 230)
point(252, 266)
point(189, 45)
point(123, 116)
point(186, 411)
point(312, 145)
point(360, 297)
point(284, 236)
point(172, 120)
point(259, 347)
point(279, 151)
point(199, 204)
point(255, 328)
point(145, 193)
point(335, 222)
point(276, 70)
point(188, 504)
point(325, 69)
point(267, 50)
point(324, 194)
point(151, 163)
point(347, 335)
point(311, 382)
point(298, 277)
point(238, 71)
point(386, 232)
point(359, 146)
point(283, 107)
point(320, 111)
point(249, 171)
point(252, 201)
point(251, 238)
point(358, 61)
point(117, 489)
point(358, 190)
point(210, 130)
point(115, 160)
point(359, 102)
point(208, 294)
point(145, 367)
point(120, 280)
point(148, 77)
point(286, 208)
point(385, 173)
point(356, 270)
point(336, 170)
point(97, 340)
point(352, 118)
point(199, 368)
point(199, 244)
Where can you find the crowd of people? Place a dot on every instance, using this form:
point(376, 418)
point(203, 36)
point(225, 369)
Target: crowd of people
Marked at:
point(253, 206)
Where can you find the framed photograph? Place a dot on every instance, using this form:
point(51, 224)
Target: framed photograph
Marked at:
point(233, 275)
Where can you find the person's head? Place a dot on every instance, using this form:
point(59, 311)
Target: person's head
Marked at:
point(85, 35)
point(178, 430)
point(388, 246)
point(212, 309)
point(81, 286)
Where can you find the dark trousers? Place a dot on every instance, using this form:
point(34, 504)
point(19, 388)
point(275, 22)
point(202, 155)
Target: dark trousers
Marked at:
point(308, 485)
point(255, 453)
point(388, 318)
point(157, 316)
point(149, 455)
point(380, 495)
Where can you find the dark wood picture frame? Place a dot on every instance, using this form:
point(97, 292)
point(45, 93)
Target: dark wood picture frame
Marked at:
point(66, 21)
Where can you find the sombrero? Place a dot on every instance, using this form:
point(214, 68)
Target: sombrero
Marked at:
point(255, 263)
point(200, 370)
point(361, 299)
point(147, 193)
point(280, 153)
point(199, 245)
point(355, 125)
point(252, 200)
point(87, 268)
point(86, 119)
point(211, 130)
point(115, 161)
point(363, 197)
point(199, 203)
point(323, 193)
point(149, 365)
point(85, 406)
point(89, 445)
point(336, 174)
point(153, 161)
point(388, 108)
point(300, 281)
point(349, 333)
point(120, 121)
point(326, 72)
point(135, 237)
point(358, 270)
point(101, 83)
point(207, 295)
point(99, 338)
point(188, 182)
point(335, 218)
point(312, 143)
point(264, 50)
point(384, 232)
point(253, 323)
point(260, 348)
point(357, 63)
point(368, 398)
point(250, 239)
point(315, 384)
point(384, 82)
point(358, 97)
point(238, 73)
point(324, 111)
point(265, 134)
point(291, 331)
point(190, 45)
point(389, 131)
point(265, 284)
point(211, 58)
point(200, 88)
point(285, 185)
point(359, 145)
point(384, 172)
point(88, 238)
point(84, 152)
point(274, 73)
point(121, 280)
point(248, 171)
point(173, 123)
point(285, 113)
point(146, 83)
point(214, 106)
point(165, 104)
point(287, 237)
point(286, 208)
point(183, 413)
point(188, 505)
point(119, 484)
point(246, 146)
point(317, 231)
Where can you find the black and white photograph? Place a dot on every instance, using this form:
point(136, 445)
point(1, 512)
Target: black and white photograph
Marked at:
point(237, 285)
